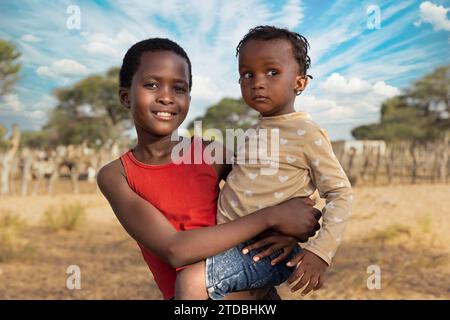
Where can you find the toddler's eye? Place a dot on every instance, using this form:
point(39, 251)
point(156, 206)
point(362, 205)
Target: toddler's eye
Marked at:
point(247, 75)
point(272, 73)
point(151, 85)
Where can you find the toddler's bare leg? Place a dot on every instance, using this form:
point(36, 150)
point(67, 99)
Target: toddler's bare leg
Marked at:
point(191, 283)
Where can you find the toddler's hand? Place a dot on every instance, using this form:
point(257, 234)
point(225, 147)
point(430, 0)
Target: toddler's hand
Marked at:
point(295, 218)
point(276, 241)
point(310, 271)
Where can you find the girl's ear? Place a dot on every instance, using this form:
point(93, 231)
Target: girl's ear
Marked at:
point(124, 98)
point(300, 84)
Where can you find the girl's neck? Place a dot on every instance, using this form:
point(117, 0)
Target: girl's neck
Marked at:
point(153, 149)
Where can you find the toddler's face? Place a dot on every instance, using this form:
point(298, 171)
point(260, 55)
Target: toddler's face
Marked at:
point(159, 94)
point(269, 75)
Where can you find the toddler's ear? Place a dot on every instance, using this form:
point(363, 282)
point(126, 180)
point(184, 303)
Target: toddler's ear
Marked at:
point(124, 98)
point(300, 83)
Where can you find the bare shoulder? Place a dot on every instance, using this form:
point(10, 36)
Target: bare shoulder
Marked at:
point(112, 171)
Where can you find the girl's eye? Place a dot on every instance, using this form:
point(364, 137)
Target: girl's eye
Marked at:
point(247, 75)
point(180, 89)
point(151, 85)
point(272, 72)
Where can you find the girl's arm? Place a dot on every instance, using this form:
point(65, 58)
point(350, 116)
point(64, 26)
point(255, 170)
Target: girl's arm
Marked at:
point(148, 226)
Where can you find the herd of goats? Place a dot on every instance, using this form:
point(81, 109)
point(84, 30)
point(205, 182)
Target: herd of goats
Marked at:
point(45, 166)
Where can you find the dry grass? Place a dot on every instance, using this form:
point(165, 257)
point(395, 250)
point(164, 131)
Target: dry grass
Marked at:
point(67, 217)
point(401, 229)
point(13, 245)
point(392, 232)
point(404, 231)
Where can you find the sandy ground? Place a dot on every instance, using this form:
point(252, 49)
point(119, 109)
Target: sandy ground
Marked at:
point(401, 229)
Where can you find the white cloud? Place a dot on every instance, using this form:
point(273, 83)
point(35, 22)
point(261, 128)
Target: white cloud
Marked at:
point(62, 68)
point(204, 88)
point(344, 103)
point(114, 47)
point(436, 15)
point(30, 38)
point(142, 9)
point(383, 89)
point(324, 110)
point(11, 102)
point(36, 114)
point(47, 102)
point(338, 84)
point(310, 102)
point(290, 15)
point(101, 48)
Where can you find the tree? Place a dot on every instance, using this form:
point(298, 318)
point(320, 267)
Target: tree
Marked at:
point(65, 128)
point(9, 67)
point(88, 111)
point(34, 139)
point(421, 114)
point(431, 94)
point(399, 121)
point(3, 142)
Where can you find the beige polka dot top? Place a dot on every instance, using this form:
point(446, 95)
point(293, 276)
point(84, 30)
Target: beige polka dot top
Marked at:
point(292, 157)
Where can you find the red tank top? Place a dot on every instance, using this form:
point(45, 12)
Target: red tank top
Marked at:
point(185, 193)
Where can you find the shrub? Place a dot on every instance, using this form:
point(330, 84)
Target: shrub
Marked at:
point(67, 217)
point(12, 243)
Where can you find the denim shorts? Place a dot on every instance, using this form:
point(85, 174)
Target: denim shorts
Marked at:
point(232, 271)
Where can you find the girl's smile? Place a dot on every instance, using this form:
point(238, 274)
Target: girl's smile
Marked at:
point(164, 115)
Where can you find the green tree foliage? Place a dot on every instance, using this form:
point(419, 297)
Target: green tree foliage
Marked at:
point(431, 94)
point(9, 74)
point(89, 111)
point(34, 139)
point(422, 113)
point(227, 114)
point(9, 67)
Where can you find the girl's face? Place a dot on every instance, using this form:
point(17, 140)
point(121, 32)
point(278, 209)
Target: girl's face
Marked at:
point(269, 76)
point(159, 94)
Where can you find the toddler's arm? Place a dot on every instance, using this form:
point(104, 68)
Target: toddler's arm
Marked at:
point(333, 185)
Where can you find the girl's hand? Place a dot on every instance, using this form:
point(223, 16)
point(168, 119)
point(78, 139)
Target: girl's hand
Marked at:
point(273, 241)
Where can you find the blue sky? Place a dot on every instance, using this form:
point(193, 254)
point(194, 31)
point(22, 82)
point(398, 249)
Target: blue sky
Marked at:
point(356, 63)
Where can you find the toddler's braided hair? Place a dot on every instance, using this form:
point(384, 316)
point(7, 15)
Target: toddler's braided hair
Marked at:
point(299, 43)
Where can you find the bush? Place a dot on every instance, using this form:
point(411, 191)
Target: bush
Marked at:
point(12, 228)
point(68, 217)
point(393, 232)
